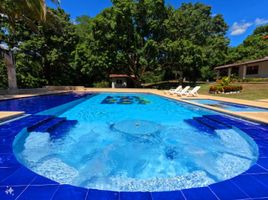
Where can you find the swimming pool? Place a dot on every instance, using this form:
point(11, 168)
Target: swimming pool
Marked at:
point(134, 142)
point(228, 106)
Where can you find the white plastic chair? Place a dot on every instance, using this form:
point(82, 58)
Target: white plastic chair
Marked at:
point(183, 91)
point(193, 92)
point(174, 91)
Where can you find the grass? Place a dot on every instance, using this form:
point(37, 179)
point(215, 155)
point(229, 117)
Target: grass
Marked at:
point(251, 91)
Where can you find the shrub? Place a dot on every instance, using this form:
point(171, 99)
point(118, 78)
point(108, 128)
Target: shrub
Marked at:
point(225, 89)
point(225, 81)
point(102, 84)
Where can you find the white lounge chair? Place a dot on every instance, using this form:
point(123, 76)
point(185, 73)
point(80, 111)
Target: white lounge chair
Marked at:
point(183, 91)
point(174, 91)
point(193, 92)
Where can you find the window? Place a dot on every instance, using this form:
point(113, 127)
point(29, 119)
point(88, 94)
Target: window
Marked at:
point(119, 81)
point(252, 70)
point(224, 72)
point(235, 71)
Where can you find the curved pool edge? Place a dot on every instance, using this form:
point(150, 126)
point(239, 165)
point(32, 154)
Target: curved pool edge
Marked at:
point(18, 182)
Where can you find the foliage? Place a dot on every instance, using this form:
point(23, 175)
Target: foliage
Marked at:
point(152, 77)
point(225, 81)
point(3, 76)
point(255, 46)
point(102, 84)
point(225, 89)
point(144, 38)
point(196, 41)
point(44, 58)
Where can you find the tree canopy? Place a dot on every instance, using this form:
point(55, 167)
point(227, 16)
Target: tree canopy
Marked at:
point(144, 38)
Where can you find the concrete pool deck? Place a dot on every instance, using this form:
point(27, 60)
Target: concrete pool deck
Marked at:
point(255, 116)
point(8, 115)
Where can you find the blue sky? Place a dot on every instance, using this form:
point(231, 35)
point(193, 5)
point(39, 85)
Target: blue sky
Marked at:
point(242, 16)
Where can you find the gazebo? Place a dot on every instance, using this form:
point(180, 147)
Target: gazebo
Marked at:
point(122, 80)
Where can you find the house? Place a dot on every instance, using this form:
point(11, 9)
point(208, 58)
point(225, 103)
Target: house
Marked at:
point(251, 69)
point(122, 80)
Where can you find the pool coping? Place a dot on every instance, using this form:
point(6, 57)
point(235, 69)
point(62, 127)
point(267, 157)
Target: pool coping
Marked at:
point(235, 188)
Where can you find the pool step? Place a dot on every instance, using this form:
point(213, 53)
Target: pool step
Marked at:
point(49, 125)
point(229, 121)
point(199, 126)
point(37, 120)
point(62, 129)
point(211, 123)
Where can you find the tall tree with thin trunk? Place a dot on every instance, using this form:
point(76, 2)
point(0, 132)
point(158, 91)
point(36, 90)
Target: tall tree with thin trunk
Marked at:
point(13, 11)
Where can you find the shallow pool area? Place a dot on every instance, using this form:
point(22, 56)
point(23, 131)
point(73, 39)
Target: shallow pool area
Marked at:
point(228, 106)
point(135, 142)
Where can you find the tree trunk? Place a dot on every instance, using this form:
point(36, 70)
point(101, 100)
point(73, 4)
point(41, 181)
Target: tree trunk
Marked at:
point(11, 71)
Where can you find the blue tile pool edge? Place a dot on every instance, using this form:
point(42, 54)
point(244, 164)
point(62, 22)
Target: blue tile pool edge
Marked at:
point(34, 184)
point(257, 107)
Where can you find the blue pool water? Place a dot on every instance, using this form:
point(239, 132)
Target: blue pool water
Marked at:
point(228, 106)
point(37, 104)
point(134, 142)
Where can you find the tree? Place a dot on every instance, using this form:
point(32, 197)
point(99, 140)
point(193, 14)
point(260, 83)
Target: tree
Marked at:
point(45, 56)
point(125, 39)
point(196, 40)
point(12, 12)
point(254, 46)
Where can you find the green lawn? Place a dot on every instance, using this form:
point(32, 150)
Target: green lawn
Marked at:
point(251, 91)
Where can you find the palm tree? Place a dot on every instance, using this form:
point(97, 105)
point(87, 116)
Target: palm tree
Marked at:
point(14, 10)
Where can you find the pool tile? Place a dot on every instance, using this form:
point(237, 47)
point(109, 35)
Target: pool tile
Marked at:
point(38, 193)
point(135, 195)
point(102, 195)
point(177, 195)
point(263, 162)
point(6, 140)
point(70, 192)
point(263, 152)
point(256, 169)
point(263, 178)
point(8, 160)
point(250, 186)
point(11, 193)
point(22, 176)
point(6, 172)
point(6, 148)
point(40, 180)
point(198, 194)
point(227, 190)
point(255, 132)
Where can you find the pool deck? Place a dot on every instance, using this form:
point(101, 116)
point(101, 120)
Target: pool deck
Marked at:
point(20, 183)
point(9, 115)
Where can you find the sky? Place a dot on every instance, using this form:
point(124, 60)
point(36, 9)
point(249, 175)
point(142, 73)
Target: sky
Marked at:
point(242, 16)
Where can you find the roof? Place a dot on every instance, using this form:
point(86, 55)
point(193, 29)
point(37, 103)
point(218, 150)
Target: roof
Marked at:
point(121, 76)
point(243, 63)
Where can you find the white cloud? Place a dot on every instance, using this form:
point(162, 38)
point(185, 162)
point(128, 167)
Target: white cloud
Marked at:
point(261, 21)
point(240, 28)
